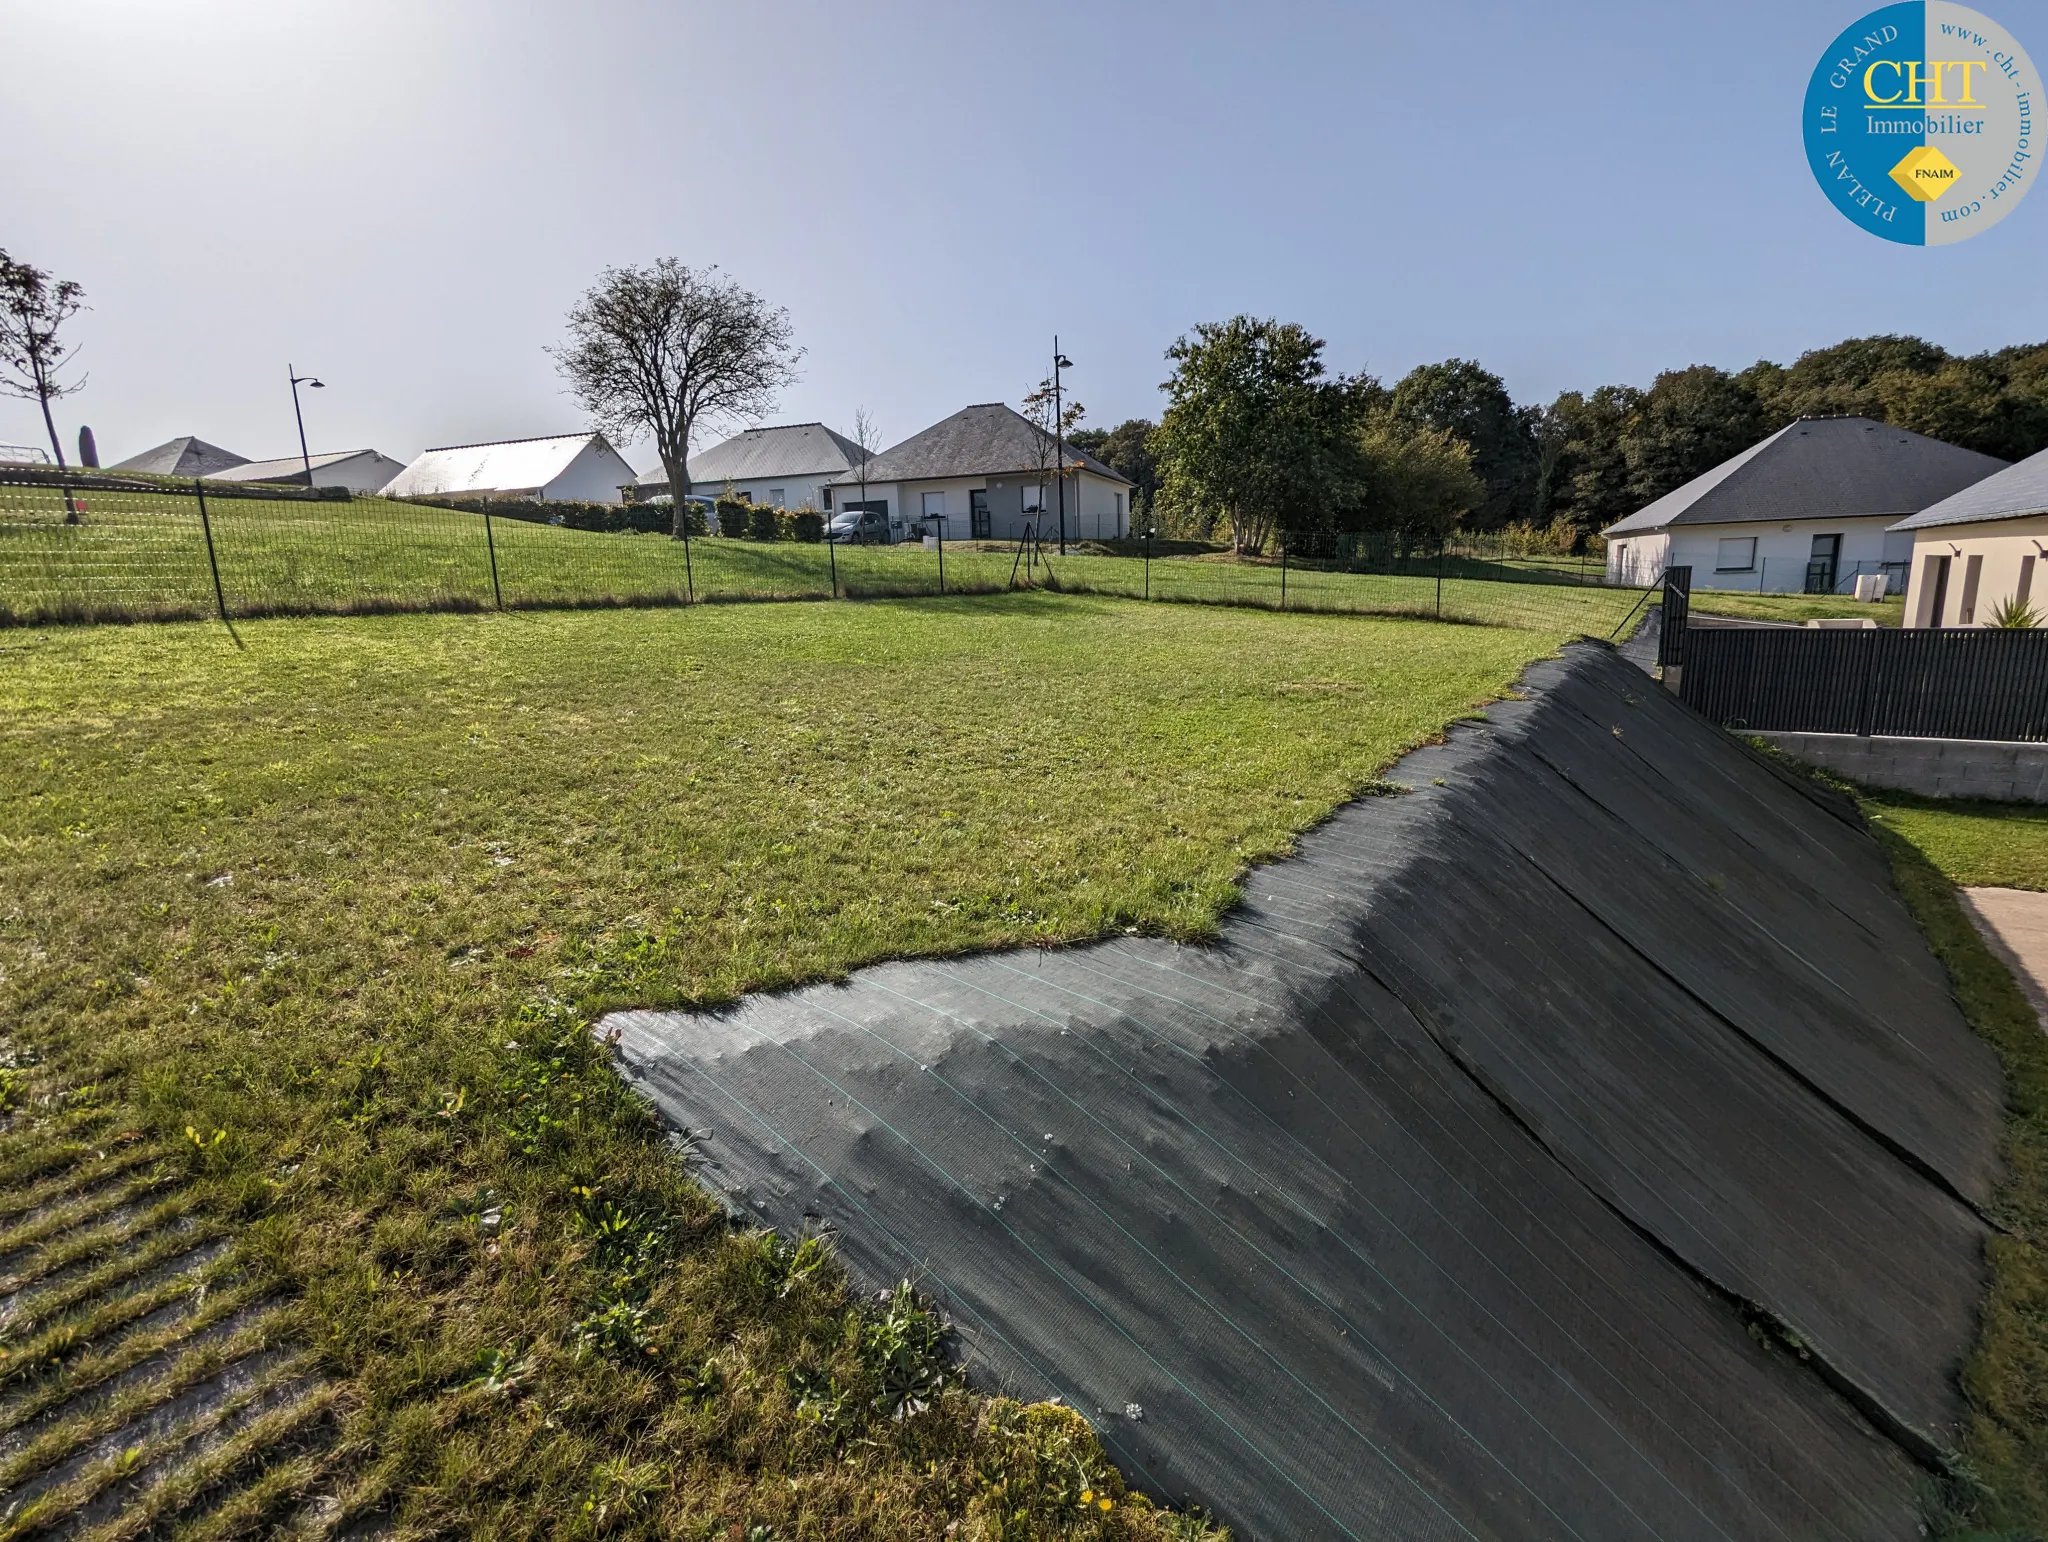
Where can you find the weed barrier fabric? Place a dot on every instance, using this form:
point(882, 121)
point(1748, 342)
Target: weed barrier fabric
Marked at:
point(1581, 1144)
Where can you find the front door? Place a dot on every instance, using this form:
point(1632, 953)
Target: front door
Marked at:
point(1822, 563)
point(977, 508)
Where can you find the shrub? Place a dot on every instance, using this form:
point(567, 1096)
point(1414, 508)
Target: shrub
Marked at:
point(763, 522)
point(732, 517)
point(2015, 614)
point(807, 524)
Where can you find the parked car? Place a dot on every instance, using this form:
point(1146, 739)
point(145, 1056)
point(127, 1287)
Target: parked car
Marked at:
point(859, 526)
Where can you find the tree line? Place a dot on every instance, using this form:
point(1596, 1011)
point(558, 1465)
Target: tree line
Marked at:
point(1259, 435)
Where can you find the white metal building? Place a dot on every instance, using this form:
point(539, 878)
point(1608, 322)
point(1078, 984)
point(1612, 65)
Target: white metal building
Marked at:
point(360, 471)
point(581, 468)
point(1808, 509)
point(981, 475)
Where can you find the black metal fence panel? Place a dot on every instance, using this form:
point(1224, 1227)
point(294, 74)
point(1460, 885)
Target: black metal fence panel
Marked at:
point(1926, 683)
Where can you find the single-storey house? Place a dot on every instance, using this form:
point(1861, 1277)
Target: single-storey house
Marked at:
point(982, 474)
point(185, 456)
point(1807, 510)
point(578, 468)
point(1981, 549)
point(360, 471)
point(788, 466)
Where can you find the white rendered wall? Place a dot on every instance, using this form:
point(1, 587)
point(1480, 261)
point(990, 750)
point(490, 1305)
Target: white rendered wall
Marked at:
point(2002, 544)
point(594, 476)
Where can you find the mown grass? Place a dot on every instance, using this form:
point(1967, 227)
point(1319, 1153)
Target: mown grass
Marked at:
point(2006, 1379)
point(322, 917)
point(1890, 611)
point(2004, 845)
point(144, 556)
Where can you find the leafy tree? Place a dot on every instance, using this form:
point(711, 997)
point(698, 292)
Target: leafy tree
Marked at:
point(1126, 450)
point(1471, 402)
point(1412, 479)
point(1689, 421)
point(1253, 430)
point(666, 349)
point(1589, 485)
point(33, 309)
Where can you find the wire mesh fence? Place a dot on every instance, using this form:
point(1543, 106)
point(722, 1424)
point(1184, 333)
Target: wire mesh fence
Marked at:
point(84, 548)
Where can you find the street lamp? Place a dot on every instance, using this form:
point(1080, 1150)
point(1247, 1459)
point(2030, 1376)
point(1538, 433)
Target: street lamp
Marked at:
point(297, 381)
point(1059, 428)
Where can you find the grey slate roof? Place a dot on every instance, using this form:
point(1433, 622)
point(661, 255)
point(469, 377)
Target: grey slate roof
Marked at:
point(288, 468)
point(185, 456)
point(2018, 492)
point(989, 439)
point(1819, 468)
point(785, 450)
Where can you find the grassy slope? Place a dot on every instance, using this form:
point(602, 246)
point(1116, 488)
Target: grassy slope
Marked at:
point(1934, 848)
point(316, 922)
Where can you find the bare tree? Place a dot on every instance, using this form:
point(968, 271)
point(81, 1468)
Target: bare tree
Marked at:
point(665, 349)
point(33, 308)
point(1051, 424)
point(868, 440)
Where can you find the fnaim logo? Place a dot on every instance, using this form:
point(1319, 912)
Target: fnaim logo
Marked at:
point(1920, 123)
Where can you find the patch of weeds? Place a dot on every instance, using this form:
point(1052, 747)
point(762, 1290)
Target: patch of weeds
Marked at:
point(619, 1332)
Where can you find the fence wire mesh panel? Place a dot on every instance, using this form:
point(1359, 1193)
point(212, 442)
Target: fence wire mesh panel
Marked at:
point(92, 548)
point(1926, 683)
point(101, 554)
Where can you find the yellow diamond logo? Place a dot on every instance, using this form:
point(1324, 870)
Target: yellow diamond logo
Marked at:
point(1925, 173)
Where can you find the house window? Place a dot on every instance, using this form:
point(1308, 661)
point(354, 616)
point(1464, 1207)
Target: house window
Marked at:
point(779, 496)
point(1735, 554)
point(828, 499)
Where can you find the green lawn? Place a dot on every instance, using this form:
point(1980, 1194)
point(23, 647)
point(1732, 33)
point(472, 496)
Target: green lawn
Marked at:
point(298, 937)
point(1935, 846)
point(2000, 844)
point(144, 555)
point(1798, 607)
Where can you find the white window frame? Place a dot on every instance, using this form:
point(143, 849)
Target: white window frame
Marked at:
point(1721, 554)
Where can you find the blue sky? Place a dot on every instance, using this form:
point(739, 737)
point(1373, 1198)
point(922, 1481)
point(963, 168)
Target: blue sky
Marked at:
point(405, 195)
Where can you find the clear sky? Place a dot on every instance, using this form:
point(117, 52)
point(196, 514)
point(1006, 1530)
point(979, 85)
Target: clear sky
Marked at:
point(405, 195)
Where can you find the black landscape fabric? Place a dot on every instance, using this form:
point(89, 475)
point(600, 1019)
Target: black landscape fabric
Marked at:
point(1582, 1143)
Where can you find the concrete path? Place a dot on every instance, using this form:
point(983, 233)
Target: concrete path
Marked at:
point(2015, 923)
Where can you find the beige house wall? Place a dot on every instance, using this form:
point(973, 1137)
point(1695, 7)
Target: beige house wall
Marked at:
point(2000, 551)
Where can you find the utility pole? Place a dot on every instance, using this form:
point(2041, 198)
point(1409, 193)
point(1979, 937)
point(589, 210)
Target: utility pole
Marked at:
point(1059, 429)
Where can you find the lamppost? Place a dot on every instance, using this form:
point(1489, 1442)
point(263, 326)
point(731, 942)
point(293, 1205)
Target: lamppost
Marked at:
point(1059, 428)
point(297, 381)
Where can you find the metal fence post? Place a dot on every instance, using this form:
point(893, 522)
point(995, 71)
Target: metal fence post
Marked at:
point(206, 528)
point(832, 557)
point(1672, 625)
point(1148, 562)
point(1283, 570)
point(942, 554)
point(491, 544)
point(689, 576)
point(1439, 576)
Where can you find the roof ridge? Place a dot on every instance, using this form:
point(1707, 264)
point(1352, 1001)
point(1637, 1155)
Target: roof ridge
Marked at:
point(487, 444)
